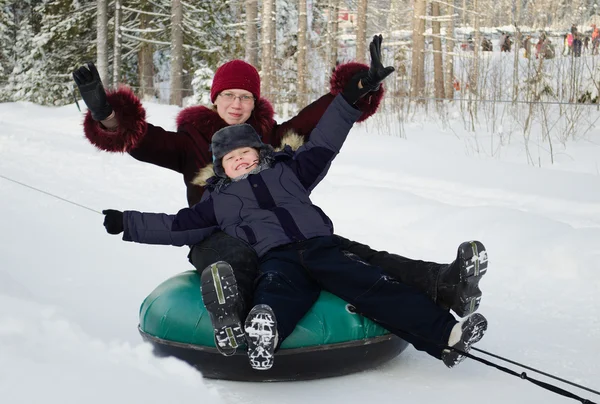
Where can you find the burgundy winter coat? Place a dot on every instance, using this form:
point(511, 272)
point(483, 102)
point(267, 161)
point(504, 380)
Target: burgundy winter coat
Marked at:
point(186, 151)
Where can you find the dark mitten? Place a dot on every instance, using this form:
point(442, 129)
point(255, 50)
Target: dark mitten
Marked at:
point(113, 221)
point(92, 91)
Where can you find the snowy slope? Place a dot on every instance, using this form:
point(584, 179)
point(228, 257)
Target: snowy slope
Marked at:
point(70, 293)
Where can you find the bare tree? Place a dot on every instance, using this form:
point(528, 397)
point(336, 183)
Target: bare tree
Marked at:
point(476, 49)
point(418, 50)
point(102, 40)
point(438, 63)
point(267, 46)
point(361, 31)
point(252, 32)
point(450, 44)
point(145, 62)
point(117, 46)
point(301, 60)
point(332, 35)
point(176, 52)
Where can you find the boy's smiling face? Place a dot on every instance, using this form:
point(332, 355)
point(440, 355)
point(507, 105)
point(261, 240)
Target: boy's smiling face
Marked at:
point(240, 161)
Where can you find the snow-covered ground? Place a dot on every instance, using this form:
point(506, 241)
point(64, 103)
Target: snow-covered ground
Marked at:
point(70, 293)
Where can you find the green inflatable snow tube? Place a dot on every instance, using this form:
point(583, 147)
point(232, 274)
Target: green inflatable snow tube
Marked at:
point(174, 319)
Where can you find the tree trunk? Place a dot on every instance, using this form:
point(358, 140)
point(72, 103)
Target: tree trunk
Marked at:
point(473, 82)
point(361, 31)
point(418, 50)
point(450, 44)
point(332, 36)
point(252, 32)
point(102, 40)
point(438, 63)
point(145, 62)
point(117, 46)
point(267, 48)
point(176, 52)
point(301, 95)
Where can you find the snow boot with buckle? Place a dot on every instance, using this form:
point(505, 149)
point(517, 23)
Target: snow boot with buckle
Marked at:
point(458, 282)
point(261, 337)
point(463, 335)
point(222, 301)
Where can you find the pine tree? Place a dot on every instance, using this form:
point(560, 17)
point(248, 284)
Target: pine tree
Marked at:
point(48, 50)
point(7, 33)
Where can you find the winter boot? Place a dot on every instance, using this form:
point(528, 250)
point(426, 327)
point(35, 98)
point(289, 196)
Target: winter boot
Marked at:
point(261, 336)
point(458, 282)
point(220, 296)
point(462, 336)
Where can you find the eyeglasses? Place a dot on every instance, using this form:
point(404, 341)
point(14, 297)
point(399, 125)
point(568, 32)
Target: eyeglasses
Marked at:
point(230, 97)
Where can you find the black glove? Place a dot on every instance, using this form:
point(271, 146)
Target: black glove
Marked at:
point(92, 91)
point(371, 79)
point(113, 221)
point(377, 73)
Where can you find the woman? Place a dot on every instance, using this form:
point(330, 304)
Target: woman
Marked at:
point(116, 122)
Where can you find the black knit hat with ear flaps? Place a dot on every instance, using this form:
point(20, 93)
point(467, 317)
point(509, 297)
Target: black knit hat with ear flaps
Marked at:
point(233, 137)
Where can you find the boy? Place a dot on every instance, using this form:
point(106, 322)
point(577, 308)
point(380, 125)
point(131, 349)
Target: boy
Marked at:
point(262, 197)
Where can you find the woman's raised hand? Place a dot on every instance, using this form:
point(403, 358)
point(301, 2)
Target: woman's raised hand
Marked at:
point(92, 91)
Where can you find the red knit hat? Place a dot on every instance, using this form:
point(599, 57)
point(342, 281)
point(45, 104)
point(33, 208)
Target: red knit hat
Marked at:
point(235, 74)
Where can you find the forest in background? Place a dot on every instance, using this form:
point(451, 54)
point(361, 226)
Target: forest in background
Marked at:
point(168, 50)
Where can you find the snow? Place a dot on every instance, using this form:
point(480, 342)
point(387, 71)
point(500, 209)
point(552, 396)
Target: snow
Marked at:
point(70, 293)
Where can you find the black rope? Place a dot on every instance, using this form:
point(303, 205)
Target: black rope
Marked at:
point(48, 193)
point(535, 370)
point(523, 375)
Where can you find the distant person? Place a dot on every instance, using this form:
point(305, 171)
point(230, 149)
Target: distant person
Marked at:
point(506, 44)
point(577, 45)
point(486, 45)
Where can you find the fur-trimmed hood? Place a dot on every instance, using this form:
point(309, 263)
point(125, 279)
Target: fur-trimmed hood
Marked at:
point(289, 139)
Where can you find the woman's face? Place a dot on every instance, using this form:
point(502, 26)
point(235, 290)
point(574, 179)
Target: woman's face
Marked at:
point(234, 106)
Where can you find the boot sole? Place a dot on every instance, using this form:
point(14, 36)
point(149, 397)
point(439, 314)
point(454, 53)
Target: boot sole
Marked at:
point(473, 330)
point(261, 334)
point(221, 299)
point(474, 262)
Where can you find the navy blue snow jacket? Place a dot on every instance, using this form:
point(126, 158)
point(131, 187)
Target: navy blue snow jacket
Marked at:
point(267, 209)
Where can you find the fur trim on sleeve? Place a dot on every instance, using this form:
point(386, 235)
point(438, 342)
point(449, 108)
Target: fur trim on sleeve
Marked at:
point(342, 75)
point(132, 123)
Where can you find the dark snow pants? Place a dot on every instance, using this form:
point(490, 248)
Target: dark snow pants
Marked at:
point(291, 278)
point(221, 247)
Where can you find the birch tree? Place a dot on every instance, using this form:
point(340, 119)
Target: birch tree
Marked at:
point(252, 32)
point(418, 51)
point(102, 40)
point(361, 31)
point(332, 35)
point(450, 44)
point(117, 45)
point(438, 64)
point(267, 47)
point(176, 52)
point(301, 69)
point(473, 82)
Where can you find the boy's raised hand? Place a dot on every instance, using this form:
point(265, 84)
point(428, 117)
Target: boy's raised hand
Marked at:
point(364, 82)
point(92, 91)
point(377, 73)
point(113, 221)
